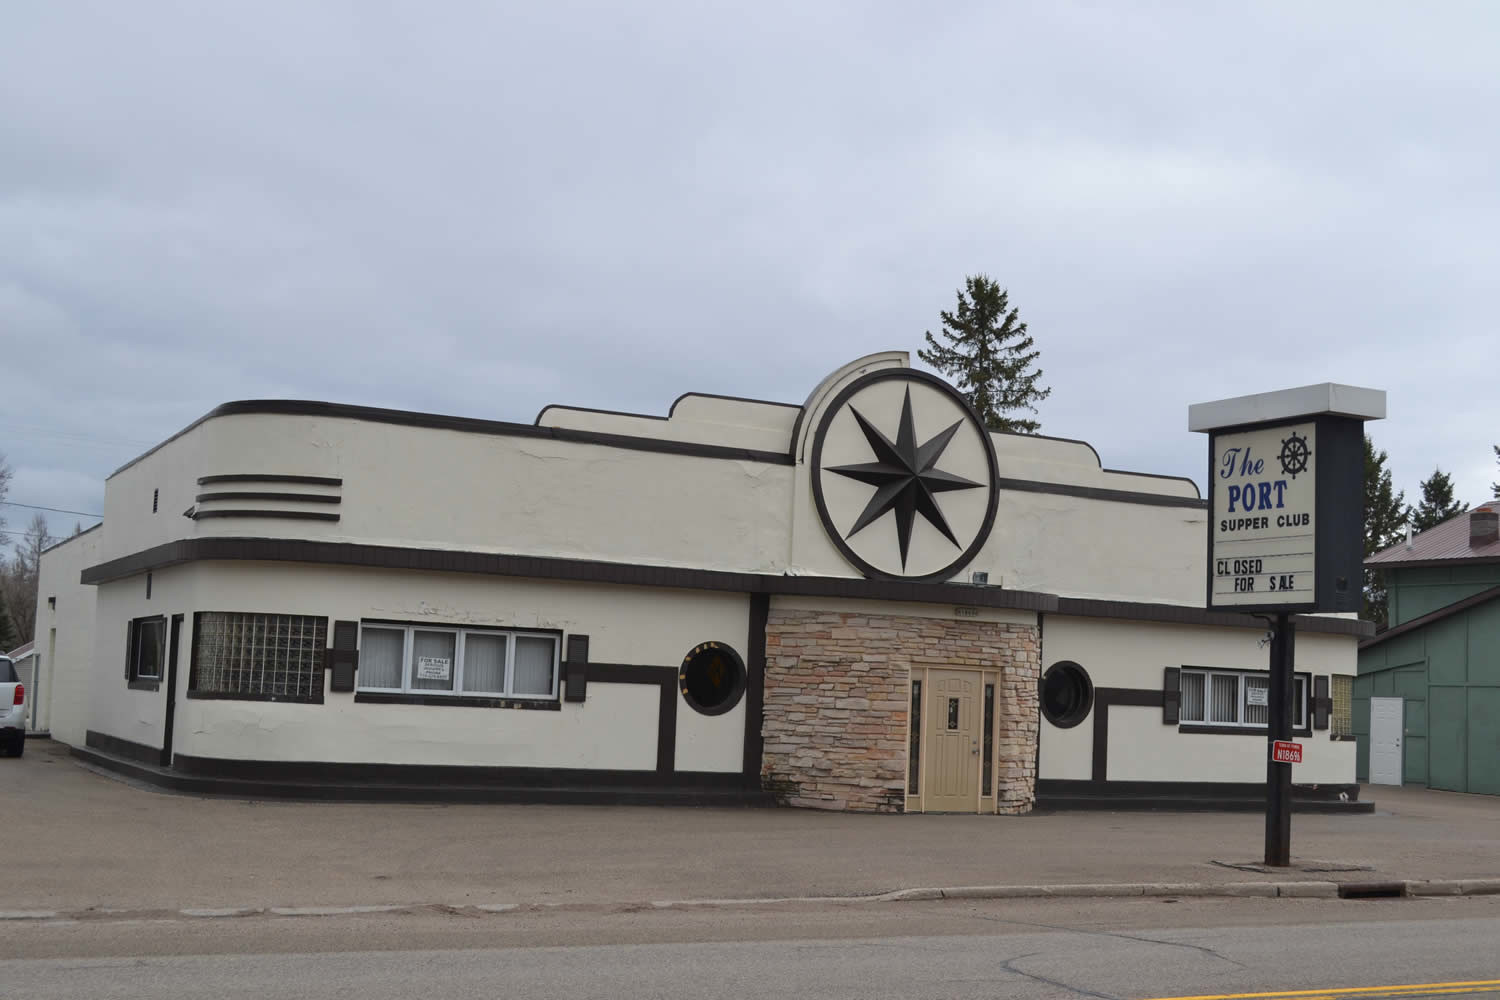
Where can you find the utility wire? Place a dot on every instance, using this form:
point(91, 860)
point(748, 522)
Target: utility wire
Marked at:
point(55, 510)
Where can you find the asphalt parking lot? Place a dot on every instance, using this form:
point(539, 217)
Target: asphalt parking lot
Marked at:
point(77, 839)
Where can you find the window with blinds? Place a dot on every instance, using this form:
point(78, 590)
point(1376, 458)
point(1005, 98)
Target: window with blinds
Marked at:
point(1235, 698)
point(257, 656)
point(421, 660)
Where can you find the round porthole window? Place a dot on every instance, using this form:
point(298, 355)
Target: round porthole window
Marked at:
point(1067, 694)
point(712, 678)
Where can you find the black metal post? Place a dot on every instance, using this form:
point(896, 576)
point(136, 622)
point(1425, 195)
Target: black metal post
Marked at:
point(1279, 727)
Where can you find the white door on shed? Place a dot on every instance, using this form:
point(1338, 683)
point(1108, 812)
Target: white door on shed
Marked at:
point(1385, 741)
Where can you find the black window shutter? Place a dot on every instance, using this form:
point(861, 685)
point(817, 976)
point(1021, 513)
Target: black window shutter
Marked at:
point(1171, 695)
point(129, 648)
point(576, 668)
point(1321, 702)
point(345, 657)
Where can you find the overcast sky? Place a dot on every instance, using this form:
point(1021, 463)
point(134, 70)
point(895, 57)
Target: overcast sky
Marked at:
point(481, 209)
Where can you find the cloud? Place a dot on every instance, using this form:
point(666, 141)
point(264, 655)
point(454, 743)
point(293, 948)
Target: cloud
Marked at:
point(479, 211)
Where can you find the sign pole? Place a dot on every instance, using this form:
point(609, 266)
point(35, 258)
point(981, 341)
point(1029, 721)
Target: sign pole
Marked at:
point(1279, 728)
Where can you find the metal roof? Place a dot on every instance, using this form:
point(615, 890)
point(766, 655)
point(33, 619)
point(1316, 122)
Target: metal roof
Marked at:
point(1447, 542)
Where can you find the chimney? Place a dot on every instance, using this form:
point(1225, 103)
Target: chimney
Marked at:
point(1484, 526)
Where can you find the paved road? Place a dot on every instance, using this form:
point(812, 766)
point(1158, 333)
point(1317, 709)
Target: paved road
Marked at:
point(74, 840)
point(1038, 949)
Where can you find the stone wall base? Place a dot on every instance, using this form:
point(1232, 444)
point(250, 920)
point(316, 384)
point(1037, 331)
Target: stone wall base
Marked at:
point(838, 701)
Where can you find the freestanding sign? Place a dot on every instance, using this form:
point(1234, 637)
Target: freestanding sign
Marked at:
point(1264, 536)
point(1286, 534)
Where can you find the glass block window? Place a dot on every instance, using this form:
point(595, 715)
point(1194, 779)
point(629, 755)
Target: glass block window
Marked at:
point(1341, 719)
point(258, 657)
point(458, 662)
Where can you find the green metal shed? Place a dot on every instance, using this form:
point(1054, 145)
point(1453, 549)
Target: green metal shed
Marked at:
point(1440, 657)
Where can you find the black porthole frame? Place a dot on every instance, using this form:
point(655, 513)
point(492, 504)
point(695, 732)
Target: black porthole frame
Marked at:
point(1080, 711)
point(835, 536)
point(737, 692)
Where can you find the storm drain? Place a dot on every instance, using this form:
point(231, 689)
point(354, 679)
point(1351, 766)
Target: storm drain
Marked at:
point(1372, 890)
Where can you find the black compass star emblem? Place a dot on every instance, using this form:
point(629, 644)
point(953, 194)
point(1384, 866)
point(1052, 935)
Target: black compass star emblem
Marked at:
point(904, 477)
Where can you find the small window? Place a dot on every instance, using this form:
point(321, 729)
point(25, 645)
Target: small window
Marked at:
point(1341, 719)
point(989, 739)
point(1237, 699)
point(712, 678)
point(155, 497)
point(914, 764)
point(258, 657)
point(148, 649)
point(457, 662)
point(1067, 694)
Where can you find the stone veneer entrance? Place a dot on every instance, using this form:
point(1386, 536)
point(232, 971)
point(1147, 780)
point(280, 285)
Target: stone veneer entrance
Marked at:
point(838, 700)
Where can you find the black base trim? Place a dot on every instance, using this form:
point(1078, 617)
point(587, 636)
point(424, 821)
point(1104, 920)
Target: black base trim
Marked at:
point(424, 783)
point(127, 749)
point(454, 700)
point(1225, 796)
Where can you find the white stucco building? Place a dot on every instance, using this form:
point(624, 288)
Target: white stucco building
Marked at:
point(850, 603)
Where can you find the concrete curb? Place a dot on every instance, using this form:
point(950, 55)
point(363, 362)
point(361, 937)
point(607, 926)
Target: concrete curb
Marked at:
point(1090, 890)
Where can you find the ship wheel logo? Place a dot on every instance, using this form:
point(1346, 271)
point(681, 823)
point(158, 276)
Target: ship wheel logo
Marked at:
point(1294, 455)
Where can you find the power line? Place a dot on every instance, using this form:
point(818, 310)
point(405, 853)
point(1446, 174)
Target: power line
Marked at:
point(55, 510)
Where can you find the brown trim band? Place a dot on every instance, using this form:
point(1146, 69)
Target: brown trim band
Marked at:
point(242, 477)
point(257, 495)
point(666, 446)
point(545, 568)
point(638, 575)
point(1101, 493)
point(290, 699)
point(1173, 614)
point(454, 700)
point(1473, 601)
point(277, 515)
point(1104, 697)
point(1194, 729)
point(466, 425)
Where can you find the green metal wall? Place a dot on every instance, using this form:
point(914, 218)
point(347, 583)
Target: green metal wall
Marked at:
point(1417, 592)
point(1449, 674)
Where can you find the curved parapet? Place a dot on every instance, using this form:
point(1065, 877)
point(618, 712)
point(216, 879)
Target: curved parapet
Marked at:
point(826, 390)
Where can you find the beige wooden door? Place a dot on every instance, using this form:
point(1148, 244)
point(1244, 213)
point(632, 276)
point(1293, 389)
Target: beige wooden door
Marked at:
point(953, 741)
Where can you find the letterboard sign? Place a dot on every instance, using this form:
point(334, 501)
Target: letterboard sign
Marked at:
point(1286, 497)
point(1265, 516)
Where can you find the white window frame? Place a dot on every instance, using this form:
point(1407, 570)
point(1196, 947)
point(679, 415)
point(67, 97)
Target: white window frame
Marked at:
point(408, 641)
point(1300, 685)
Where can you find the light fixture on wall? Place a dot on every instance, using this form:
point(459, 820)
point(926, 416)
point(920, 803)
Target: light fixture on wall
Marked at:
point(980, 578)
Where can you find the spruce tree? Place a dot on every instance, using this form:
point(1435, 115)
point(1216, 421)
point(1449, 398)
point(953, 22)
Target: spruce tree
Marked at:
point(989, 356)
point(1386, 514)
point(1495, 487)
point(8, 640)
point(1437, 504)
